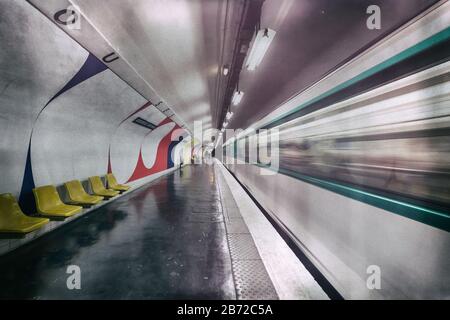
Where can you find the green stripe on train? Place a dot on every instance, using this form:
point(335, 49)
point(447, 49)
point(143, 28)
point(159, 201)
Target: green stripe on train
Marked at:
point(440, 220)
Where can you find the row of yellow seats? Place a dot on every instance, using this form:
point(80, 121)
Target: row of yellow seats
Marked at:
point(49, 203)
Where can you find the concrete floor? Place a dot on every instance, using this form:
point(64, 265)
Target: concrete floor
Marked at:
point(163, 241)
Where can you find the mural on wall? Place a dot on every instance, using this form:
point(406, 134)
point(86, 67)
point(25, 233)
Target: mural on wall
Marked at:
point(148, 164)
point(90, 68)
point(65, 115)
point(154, 147)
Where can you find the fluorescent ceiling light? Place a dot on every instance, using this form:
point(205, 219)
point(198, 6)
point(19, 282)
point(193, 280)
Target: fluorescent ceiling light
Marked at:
point(229, 115)
point(259, 48)
point(237, 97)
point(225, 70)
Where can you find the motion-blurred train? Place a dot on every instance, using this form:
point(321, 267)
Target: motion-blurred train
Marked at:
point(398, 145)
point(364, 166)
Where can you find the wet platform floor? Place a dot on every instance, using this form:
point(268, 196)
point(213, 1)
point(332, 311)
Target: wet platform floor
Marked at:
point(166, 240)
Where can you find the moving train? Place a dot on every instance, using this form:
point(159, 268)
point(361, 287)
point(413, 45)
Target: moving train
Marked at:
point(363, 170)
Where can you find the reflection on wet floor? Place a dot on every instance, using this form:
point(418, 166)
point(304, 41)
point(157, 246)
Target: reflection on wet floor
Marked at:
point(163, 241)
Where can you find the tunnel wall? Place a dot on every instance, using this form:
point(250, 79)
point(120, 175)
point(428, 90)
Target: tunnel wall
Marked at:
point(362, 176)
point(64, 115)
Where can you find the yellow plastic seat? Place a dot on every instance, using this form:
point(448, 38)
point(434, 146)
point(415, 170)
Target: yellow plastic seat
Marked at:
point(78, 195)
point(49, 203)
point(13, 220)
point(112, 183)
point(99, 189)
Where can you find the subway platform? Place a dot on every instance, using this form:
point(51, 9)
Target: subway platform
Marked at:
point(183, 236)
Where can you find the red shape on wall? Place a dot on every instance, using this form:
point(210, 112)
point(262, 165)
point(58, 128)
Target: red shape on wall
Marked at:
point(162, 154)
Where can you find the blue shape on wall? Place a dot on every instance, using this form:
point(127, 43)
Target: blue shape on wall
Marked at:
point(91, 67)
point(172, 145)
point(26, 200)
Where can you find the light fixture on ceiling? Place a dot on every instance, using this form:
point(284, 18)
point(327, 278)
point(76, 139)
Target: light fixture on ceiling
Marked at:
point(229, 115)
point(259, 47)
point(225, 70)
point(144, 123)
point(237, 97)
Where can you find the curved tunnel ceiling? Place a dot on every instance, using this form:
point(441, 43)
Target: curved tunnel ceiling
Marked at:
point(176, 46)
